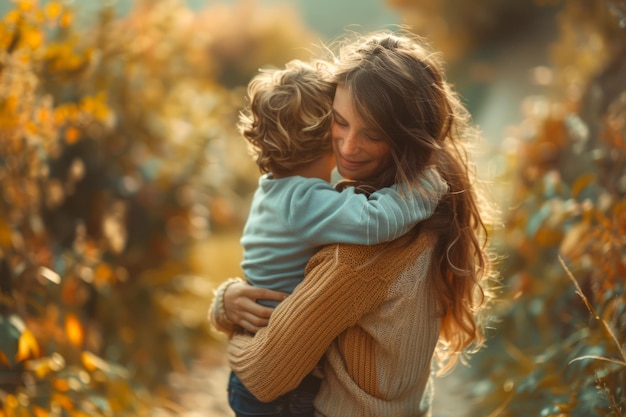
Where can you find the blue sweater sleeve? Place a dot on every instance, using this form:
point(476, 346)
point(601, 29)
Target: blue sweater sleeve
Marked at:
point(321, 215)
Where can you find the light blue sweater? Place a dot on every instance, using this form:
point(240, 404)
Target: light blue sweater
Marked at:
point(291, 218)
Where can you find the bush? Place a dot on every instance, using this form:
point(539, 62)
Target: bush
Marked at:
point(118, 150)
point(557, 344)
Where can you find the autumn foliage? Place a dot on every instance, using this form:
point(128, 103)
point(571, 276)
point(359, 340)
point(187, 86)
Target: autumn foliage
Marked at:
point(557, 344)
point(118, 151)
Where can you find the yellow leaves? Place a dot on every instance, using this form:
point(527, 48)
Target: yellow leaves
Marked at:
point(32, 13)
point(11, 17)
point(26, 5)
point(63, 57)
point(74, 115)
point(95, 106)
point(23, 28)
point(44, 366)
point(27, 346)
point(24, 113)
point(66, 113)
point(53, 10)
point(33, 38)
point(92, 362)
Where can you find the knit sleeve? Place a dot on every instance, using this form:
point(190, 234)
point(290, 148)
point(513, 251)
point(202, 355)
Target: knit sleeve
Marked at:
point(333, 297)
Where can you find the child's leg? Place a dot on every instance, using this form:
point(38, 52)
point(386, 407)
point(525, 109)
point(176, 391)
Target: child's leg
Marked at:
point(245, 404)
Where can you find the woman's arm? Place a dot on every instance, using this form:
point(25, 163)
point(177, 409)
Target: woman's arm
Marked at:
point(333, 297)
point(235, 306)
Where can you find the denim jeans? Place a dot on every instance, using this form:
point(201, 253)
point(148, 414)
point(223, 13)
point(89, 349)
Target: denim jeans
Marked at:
point(296, 403)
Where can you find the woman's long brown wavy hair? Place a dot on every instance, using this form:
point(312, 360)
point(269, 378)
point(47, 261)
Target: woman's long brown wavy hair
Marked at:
point(398, 87)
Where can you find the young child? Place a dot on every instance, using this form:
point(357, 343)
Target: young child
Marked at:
point(295, 210)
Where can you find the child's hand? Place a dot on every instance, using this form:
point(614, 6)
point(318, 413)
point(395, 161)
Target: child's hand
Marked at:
point(243, 310)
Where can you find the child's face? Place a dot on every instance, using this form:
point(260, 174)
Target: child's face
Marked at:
point(361, 154)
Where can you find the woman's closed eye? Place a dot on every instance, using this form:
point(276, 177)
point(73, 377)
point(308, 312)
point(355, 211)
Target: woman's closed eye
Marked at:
point(338, 119)
point(374, 137)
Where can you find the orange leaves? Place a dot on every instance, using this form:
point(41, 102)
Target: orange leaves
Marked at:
point(6, 235)
point(113, 138)
point(614, 133)
point(103, 274)
point(582, 183)
point(570, 203)
point(72, 135)
point(74, 330)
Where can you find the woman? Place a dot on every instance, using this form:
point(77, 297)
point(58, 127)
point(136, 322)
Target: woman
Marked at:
point(377, 313)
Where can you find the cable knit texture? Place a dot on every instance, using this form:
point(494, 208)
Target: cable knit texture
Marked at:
point(372, 311)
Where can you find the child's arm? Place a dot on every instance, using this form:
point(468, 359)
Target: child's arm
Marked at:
point(324, 216)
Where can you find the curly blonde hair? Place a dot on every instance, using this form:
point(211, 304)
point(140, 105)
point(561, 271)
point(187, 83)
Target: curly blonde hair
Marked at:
point(288, 119)
point(398, 86)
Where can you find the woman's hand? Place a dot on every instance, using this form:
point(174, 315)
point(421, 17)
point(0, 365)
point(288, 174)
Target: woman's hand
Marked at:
point(240, 304)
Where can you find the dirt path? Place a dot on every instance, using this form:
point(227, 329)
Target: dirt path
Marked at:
point(203, 391)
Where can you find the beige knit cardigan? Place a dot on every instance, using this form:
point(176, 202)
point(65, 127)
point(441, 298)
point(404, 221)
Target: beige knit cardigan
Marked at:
point(370, 312)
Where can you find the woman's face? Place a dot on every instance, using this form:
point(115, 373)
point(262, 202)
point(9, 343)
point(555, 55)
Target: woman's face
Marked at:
point(360, 152)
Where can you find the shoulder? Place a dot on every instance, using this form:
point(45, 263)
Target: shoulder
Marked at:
point(294, 183)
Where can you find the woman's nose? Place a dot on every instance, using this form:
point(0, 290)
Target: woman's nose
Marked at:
point(349, 145)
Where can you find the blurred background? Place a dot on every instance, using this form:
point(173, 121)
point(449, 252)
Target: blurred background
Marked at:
point(124, 188)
